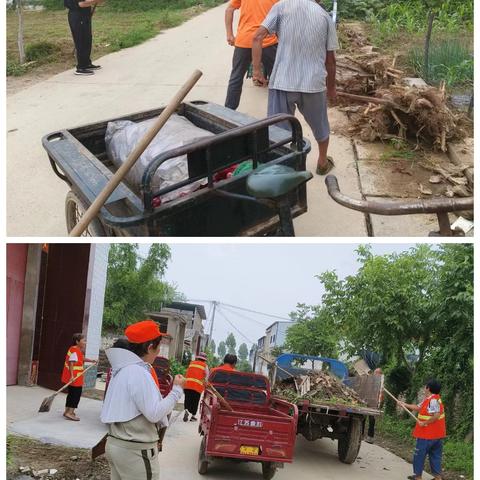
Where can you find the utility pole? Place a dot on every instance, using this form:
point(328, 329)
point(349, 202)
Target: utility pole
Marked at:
point(211, 323)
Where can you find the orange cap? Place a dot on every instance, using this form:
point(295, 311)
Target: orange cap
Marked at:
point(144, 331)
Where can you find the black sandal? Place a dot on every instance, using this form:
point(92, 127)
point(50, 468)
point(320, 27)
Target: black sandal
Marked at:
point(324, 170)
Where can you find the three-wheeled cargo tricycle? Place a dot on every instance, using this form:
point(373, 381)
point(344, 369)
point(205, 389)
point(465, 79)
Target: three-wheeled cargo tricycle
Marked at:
point(259, 202)
point(343, 422)
point(260, 428)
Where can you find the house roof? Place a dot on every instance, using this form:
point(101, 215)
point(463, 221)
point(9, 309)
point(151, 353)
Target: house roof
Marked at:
point(274, 323)
point(190, 307)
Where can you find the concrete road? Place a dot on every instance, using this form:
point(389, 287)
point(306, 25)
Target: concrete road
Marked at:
point(312, 461)
point(137, 79)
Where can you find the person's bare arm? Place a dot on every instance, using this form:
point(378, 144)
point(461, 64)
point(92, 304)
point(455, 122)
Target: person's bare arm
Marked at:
point(331, 66)
point(229, 25)
point(70, 367)
point(258, 38)
point(410, 406)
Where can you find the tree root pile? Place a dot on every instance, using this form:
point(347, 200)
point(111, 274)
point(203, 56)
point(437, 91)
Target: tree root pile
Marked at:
point(324, 389)
point(388, 108)
point(408, 113)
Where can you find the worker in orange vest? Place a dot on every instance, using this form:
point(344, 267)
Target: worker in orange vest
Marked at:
point(72, 367)
point(195, 376)
point(429, 431)
point(229, 363)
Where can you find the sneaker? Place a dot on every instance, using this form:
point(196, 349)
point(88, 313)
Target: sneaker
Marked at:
point(94, 67)
point(83, 71)
point(369, 439)
point(185, 416)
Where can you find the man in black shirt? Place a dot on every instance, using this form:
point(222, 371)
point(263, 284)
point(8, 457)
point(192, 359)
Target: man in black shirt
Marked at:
point(80, 21)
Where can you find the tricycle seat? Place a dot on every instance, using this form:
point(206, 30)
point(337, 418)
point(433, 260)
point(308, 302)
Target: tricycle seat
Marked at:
point(275, 181)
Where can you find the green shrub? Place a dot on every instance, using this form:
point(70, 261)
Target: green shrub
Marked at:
point(41, 51)
point(177, 368)
point(449, 60)
point(14, 69)
point(52, 4)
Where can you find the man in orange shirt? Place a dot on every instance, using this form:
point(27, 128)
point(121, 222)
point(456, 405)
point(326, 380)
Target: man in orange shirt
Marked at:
point(252, 13)
point(229, 363)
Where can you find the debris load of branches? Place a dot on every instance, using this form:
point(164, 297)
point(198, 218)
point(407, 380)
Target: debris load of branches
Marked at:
point(381, 106)
point(324, 389)
point(419, 114)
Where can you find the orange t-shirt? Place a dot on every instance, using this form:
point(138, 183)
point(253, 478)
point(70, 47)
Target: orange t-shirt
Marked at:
point(252, 14)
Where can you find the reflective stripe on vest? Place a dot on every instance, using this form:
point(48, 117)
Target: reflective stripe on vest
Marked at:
point(194, 380)
point(201, 367)
point(195, 376)
point(77, 367)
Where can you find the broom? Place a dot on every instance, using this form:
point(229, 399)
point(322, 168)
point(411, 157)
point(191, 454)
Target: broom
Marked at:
point(47, 402)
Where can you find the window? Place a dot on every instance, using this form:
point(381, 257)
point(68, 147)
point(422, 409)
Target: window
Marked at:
point(272, 339)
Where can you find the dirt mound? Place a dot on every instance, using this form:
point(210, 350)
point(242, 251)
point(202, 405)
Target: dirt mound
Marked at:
point(322, 388)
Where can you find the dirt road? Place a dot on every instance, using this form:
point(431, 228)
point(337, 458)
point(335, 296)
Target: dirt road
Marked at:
point(137, 79)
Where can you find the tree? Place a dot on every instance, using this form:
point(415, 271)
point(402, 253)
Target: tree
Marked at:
point(231, 343)
point(243, 352)
point(134, 285)
point(313, 333)
point(212, 346)
point(20, 36)
point(244, 366)
point(222, 350)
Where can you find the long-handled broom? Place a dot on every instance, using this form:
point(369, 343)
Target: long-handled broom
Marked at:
point(47, 402)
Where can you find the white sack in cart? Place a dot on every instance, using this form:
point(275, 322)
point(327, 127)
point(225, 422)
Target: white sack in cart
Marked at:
point(122, 136)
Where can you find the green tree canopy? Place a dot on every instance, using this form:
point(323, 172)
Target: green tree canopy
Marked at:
point(243, 352)
point(231, 343)
point(134, 284)
point(313, 333)
point(212, 347)
point(221, 350)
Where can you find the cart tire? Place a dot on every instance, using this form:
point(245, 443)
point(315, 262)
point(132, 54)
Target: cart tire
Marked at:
point(202, 457)
point(74, 209)
point(268, 470)
point(349, 445)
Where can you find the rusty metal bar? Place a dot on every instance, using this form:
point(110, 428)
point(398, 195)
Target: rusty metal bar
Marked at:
point(399, 207)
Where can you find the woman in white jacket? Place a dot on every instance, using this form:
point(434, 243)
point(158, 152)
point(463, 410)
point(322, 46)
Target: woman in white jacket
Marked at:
point(134, 409)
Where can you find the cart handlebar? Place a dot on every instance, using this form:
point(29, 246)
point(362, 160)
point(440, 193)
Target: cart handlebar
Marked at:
point(397, 207)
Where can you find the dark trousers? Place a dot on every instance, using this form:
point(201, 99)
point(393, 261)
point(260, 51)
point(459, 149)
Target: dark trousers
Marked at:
point(242, 57)
point(191, 400)
point(73, 397)
point(432, 448)
point(371, 426)
point(81, 28)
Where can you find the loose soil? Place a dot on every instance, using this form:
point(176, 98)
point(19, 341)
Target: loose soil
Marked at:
point(71, 463)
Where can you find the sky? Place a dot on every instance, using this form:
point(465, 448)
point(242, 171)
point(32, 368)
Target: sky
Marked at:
point(268, 278)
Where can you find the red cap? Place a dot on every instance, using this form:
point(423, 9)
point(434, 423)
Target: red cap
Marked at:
point(144, 331)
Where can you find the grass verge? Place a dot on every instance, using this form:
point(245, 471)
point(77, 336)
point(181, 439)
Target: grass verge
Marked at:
point(397, 433)
point(47, 35)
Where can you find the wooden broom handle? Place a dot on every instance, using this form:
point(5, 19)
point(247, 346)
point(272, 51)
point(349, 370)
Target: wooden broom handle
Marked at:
point(78, 376)
point(405, 408)
point(120, 174)
point(222, 400)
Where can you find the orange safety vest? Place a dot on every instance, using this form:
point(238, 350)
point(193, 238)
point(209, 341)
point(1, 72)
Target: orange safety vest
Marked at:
point(434, 430)
point(195, 376)
point(77, 367)
point(155, 377)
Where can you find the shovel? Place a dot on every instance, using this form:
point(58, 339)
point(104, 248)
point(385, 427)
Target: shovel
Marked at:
point(47, 402)
point(120, 174)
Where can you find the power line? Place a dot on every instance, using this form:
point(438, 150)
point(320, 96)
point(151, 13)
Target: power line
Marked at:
point(255, 311)
point(220, 312)
point(244, 316)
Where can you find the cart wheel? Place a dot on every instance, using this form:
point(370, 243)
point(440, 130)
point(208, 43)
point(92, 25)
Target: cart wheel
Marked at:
point(74, 209)
point(202, 457)
point(268, 470)
point(349, 444)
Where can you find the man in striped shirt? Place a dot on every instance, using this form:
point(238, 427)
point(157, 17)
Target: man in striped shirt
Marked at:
point(303, 75)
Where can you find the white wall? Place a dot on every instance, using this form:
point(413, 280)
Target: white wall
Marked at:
point(98, 265)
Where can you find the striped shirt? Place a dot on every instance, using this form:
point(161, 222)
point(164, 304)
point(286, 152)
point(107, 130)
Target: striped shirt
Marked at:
point(305, 33)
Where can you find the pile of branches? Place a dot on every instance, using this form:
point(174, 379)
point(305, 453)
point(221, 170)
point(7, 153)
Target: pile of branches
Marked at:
point(409, 113)
point(324, 389)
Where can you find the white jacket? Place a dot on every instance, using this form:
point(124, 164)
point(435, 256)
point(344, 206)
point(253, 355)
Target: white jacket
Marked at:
point(132, 391)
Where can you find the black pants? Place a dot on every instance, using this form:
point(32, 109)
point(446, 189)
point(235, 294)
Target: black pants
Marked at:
point(81, 28)
point(242, 57)
point(73, 397)
point(371, 426)
point(191, 401)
